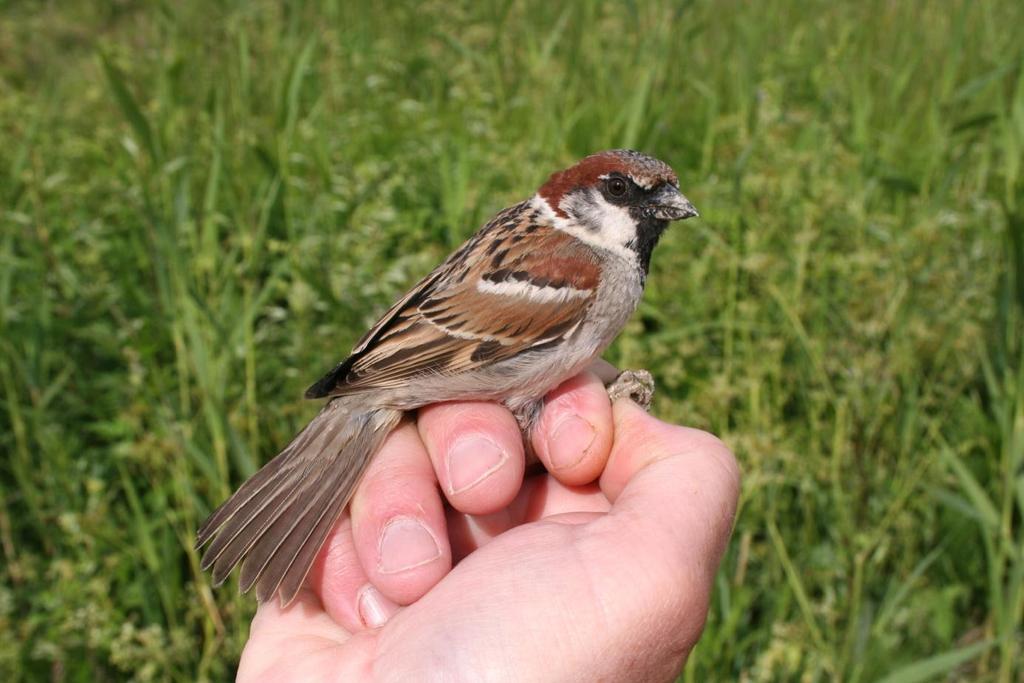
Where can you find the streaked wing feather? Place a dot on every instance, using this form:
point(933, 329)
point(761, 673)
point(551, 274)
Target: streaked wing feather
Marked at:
point(335, 382)
point(533, 292)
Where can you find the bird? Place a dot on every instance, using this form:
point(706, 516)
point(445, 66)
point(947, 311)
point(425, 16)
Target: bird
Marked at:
point(530, 300)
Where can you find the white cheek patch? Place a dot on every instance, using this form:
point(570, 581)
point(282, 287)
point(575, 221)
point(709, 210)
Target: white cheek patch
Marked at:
point(600, 223)
point(597, 223)
point(613, 223)
point(531, 292)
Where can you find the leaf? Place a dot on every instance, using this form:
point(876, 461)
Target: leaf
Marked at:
point(130, 108)
point(296, 76)
point(979, 500)
point(937, 665)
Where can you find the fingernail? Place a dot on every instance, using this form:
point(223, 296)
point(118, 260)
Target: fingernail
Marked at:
point(374, 608)
point(404, 544)
point(471, 460)
point(565, 439)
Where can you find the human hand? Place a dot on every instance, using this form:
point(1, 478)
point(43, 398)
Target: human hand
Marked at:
point(560, 579)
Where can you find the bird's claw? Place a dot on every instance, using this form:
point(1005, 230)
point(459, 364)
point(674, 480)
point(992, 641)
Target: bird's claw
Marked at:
point(635, 384)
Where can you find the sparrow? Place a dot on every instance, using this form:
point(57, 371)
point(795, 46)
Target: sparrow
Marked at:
point(526, 303)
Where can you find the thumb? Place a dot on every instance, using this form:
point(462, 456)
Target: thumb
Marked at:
point(674, 492)
point(671, 484)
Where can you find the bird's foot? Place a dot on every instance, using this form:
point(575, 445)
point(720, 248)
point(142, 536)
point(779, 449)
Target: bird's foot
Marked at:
point(635, 384)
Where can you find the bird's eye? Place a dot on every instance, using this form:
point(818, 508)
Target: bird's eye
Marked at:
point(617, 187)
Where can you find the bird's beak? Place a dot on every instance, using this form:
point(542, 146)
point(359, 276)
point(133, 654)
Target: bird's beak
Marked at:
point(669, 204)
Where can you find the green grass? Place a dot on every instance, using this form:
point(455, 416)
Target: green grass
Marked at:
point(203, 205)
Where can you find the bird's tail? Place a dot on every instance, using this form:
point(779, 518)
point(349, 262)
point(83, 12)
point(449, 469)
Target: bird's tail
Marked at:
point(279, 518)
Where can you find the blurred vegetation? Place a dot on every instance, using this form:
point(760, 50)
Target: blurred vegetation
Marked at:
point(203, 205)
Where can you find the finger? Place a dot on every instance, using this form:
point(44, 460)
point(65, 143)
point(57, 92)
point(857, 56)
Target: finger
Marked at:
point(574, 435)
point(674, 493)
point(345, 591)
point(540, 497)
point(645, 568)
point(398, 520)
point(477, 452)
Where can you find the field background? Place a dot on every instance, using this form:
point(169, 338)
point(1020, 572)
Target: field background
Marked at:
point(204, 204)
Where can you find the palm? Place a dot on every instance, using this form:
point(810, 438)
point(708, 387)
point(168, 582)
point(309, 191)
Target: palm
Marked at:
point(563, 580)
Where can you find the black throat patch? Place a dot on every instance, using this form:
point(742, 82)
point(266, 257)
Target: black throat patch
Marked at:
point(648, 231)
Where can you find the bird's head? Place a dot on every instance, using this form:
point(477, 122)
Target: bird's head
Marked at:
point(619, 200)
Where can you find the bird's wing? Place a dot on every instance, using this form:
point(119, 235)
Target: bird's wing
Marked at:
point(519, 284)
